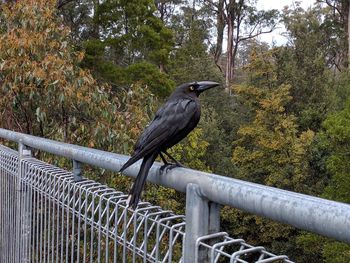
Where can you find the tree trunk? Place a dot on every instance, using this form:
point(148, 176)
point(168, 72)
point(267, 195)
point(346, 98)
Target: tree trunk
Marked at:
point(229, 55)
point(220, 26)
point(230, 28)
point(95, 28)
point(343, 10)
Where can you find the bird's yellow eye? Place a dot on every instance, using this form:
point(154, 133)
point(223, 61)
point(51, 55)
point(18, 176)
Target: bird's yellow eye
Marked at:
point(191, 88)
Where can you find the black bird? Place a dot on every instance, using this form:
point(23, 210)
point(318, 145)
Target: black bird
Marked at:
point(173, 121)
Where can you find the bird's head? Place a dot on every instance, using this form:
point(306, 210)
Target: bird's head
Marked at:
point(196, 88)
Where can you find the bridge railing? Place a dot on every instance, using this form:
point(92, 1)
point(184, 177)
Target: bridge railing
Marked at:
point(47, 216)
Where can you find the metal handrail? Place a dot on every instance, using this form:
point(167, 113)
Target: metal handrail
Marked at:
point(324, 217)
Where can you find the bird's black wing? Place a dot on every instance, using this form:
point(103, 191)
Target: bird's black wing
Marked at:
point(170, 121)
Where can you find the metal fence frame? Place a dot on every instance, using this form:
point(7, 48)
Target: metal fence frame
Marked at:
point(205, 193)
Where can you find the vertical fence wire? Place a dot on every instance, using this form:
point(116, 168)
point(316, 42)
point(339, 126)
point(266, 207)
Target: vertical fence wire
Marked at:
point(8, 186)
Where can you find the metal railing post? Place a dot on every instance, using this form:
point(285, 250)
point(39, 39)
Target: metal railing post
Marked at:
point(23, 216)
point(202, 218)
point(77, 171)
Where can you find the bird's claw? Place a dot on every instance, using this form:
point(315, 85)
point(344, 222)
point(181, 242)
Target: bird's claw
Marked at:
point(169, 166)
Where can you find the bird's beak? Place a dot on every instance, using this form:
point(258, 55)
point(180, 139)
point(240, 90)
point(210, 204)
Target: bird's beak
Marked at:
point(204, 85)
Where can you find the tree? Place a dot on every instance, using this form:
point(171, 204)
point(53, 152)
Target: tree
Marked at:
point(44, 92)
point(167, 9)
point(77, 16)
point(335, 138)
point(270, 150)
point(125, 42)
point(190, 60)
point(243, 22)
point(132, 32)
point(306, 64)
point(339, 16)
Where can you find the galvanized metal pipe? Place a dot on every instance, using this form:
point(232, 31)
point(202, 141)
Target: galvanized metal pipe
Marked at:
point(314, 214)
point(23, 224)
point(197, 214)
point(202, 218)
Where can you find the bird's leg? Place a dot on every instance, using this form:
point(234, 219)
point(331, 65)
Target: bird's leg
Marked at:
point(168, 166)
point(163, 159)
point(173, 159)
point(166, 163)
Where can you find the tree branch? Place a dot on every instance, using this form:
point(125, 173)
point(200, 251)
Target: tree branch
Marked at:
point(61, 3)
point(213, 4)
point(328, 2)
point(255, 35)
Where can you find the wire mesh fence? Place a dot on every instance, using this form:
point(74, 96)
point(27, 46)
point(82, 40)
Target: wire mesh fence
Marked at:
point(45, 216)
point(8, 170)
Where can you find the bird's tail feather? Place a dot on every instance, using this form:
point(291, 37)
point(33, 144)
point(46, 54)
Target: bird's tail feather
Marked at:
point(130, 162)
point(140, 180)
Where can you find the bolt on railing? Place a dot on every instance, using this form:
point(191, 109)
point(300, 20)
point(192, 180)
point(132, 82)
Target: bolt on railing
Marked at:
point(205, 193)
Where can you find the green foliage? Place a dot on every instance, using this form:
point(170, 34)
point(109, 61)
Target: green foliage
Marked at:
point(272, 139)
point(331, 251)
point(336, 252)
point(341, 85)
point(190, 60)
point(259, 231)
point(192, 151)
point(77, 15)
point(148, 74)
point(335, 138)
point(337, 128)
point(142, 72)
point(133, 31)
point(219, 123)
point(303, 65)
point(132, 45)
point(270, 149)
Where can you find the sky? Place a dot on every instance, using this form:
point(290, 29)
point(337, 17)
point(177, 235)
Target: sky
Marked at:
point(276, 36)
